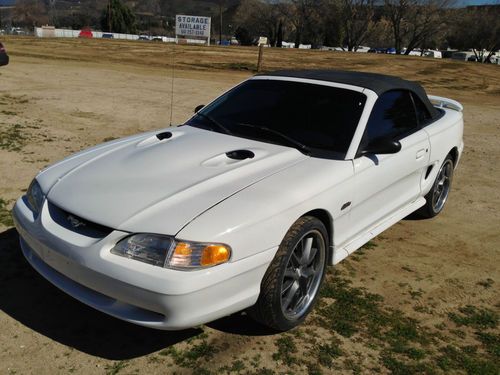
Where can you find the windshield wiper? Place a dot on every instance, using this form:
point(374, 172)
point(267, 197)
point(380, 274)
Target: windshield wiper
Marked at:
point(293, 142)
point(215, 122)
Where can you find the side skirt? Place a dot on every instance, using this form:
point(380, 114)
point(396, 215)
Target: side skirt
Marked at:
point(344, 251)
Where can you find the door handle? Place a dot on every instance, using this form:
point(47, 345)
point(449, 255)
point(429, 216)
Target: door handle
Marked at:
point(421, 153)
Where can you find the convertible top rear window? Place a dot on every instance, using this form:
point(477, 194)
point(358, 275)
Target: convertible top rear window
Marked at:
point(322, 118)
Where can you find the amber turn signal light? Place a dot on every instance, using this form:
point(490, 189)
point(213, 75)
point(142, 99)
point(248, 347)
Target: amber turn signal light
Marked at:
point(214, 254)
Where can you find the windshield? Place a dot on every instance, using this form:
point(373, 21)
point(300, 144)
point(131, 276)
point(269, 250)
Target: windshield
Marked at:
point(316, 119)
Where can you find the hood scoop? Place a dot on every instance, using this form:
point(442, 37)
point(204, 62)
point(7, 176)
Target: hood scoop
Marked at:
point(158, 138)
point(164, 135)
point(240, 154)
point(234, 157)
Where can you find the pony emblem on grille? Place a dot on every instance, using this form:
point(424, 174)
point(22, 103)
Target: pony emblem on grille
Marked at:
point(75, 223)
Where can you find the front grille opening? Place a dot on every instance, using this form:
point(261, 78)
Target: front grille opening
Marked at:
point(77, 224)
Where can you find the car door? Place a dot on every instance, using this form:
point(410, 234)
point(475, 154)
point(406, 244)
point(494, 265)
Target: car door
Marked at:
point(385, 183)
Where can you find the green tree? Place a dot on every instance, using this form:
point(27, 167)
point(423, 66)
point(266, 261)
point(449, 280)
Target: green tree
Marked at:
point(118, 18)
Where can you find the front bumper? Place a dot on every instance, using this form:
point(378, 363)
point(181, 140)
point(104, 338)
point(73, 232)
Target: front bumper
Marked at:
point(130, 290)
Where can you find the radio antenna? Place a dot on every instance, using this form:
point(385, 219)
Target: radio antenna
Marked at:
point(172, 84)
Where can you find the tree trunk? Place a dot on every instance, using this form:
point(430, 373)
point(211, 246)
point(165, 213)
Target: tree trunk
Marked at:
point(397, 43)
point(492, 51)
point(410, 48)
point(475, 54)
point(279, 42)
point(297, 39)
point(220, 24)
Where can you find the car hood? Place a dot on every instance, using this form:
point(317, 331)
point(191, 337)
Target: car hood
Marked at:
point(145, 184)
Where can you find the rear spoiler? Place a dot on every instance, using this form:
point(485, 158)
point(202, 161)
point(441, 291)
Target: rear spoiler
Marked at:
point(440, 102)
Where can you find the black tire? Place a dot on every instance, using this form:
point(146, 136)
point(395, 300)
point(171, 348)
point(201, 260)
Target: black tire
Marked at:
point(278, 284)
point(435, 200)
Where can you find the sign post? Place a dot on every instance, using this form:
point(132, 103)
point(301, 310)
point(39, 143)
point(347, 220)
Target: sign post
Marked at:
point(192, 26)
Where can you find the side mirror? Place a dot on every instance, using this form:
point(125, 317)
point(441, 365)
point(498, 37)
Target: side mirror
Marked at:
point(382, 146)
point(198, 108)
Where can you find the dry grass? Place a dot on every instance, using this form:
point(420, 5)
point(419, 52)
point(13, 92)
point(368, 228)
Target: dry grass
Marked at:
point(439, 76)
point(421, 298)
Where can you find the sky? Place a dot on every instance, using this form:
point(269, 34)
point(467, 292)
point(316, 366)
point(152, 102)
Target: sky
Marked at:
point(476, 2)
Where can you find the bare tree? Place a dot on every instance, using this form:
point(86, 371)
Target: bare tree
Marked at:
point(396, 11)
point(414, 22)
point(477, 28)
point(304, 18)
point(255, 18)
point(270, 19)
point(332, 28)
point(424, 23)
point(248, 20)
point(380, 34)
point(30, 13)
point(222, 5)
point(357, 21)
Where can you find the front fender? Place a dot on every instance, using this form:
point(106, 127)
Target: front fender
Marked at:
point(258, 217)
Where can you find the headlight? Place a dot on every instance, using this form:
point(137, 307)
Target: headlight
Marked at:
point(165, 251)
point(35, 196)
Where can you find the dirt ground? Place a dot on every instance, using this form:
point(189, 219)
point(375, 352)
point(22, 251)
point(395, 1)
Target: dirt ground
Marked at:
point(422, 297)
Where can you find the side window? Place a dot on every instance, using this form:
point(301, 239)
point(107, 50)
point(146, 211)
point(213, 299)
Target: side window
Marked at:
point(423, 114)
point(393, 115)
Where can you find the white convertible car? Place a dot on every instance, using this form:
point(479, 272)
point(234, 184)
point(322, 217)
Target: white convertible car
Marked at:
point(245, 204)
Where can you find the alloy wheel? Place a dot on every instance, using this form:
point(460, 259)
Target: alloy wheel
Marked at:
point(303, 274)
point(442, 187)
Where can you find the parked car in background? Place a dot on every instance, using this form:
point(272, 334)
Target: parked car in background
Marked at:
point(17, 31)
point(144, 37)
point(413, 52)
point(107, 36)
point(86, 33)
point(377, 50)
point(447, 53)
point(463, 55)
point(4, 58)
point(433, 53)
point(362, 49)
point(495, 58)
point(247, 203)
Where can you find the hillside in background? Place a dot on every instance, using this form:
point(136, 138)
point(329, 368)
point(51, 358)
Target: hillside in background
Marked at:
point(389, 25)
point(152, 16)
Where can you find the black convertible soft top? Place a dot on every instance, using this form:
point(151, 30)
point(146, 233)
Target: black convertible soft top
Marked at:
point(379, 83)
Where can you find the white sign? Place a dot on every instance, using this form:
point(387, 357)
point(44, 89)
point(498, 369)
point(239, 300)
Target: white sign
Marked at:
point(192, 26)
